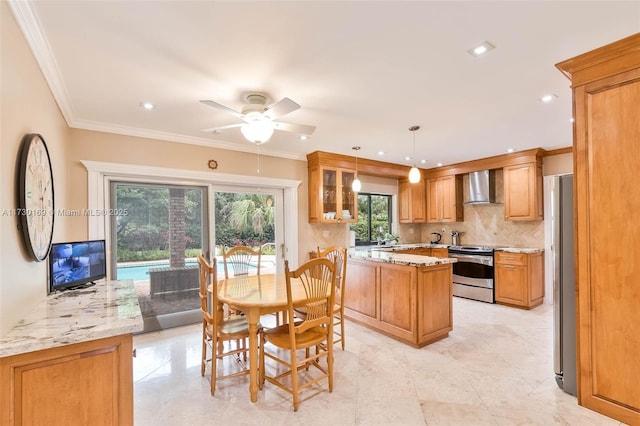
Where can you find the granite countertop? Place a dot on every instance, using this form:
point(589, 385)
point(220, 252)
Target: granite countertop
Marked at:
point(388, 256)
point(397, 247)
point(526, 250)
point(107, 309)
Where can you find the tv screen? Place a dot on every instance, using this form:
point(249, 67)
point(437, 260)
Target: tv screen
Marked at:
point(76, 264)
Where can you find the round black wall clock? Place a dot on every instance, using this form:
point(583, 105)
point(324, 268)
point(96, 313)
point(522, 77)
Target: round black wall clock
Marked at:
point(35, 197)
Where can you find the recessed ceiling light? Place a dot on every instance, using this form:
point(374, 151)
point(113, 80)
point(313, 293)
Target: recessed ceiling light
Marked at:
point(572, 119)
point(147, 105)
point(439, 164)
point(423, 161)
point(481, 49)
point(510, 150)
point(550, 97)
point(380, 152)
point(304, 137)
point(407, 158)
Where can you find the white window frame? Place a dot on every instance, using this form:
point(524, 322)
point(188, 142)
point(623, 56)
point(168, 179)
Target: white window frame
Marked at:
point(101, 174)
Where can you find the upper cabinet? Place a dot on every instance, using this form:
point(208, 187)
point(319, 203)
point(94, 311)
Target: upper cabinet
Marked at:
point(523, 192)
point(444, 199)
point(411, 201)
point(331, 199)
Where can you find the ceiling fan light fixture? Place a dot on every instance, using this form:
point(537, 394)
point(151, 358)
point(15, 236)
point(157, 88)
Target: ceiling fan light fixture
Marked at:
point(258, 130)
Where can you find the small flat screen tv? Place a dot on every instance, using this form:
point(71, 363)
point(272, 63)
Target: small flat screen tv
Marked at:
point(76, 264)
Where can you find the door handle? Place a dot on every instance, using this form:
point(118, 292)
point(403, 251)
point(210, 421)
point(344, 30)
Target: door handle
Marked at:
point(282, 250)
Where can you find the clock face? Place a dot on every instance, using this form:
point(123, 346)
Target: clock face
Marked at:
point(36, 196)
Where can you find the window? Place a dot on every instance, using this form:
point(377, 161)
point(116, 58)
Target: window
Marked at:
point(374, 218)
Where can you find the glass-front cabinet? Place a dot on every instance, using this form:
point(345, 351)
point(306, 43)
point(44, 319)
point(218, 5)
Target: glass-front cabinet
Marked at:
point(331, 199)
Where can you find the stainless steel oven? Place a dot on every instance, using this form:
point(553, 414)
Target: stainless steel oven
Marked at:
point(473, 275)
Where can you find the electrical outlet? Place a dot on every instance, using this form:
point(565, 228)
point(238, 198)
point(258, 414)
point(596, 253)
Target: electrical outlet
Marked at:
point(444, 230)
point(325, 234)
point(411, 230)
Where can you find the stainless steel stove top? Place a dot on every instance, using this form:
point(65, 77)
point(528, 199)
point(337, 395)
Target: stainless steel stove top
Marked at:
point(472, 249)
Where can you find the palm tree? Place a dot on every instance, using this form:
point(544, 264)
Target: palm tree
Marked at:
point(252, 214)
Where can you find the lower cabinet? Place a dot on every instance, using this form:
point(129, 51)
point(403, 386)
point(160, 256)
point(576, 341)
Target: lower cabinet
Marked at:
point(411, 304)
point(426, 251)
point(519, 279)
point(88, 383)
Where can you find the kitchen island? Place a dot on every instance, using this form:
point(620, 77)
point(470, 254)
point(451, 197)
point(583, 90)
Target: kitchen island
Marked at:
point(404, 296)
point(70, 360)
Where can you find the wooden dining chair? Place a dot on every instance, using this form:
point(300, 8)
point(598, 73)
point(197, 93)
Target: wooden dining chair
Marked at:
point(315, 331)
point(218, 331)
point(339, 255)
point(239, 260)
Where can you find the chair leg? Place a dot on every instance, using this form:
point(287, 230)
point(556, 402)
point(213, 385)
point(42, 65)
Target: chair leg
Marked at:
point(261, 367)
point(203, 363)
point(294, 380)
point(342, 331)
point(214, 364)
point(330, 363)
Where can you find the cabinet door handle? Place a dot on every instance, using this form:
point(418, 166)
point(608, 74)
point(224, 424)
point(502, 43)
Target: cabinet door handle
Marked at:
point(509, 267)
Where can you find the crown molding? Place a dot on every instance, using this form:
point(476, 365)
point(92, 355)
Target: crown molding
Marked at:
point(190, 140)
point(29, 23)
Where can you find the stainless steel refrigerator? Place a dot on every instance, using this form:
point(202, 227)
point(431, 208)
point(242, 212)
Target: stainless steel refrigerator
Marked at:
point(564, 303)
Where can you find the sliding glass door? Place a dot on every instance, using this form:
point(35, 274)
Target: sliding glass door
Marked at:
point(250, 218)
point(156, 245)
point(166, 226)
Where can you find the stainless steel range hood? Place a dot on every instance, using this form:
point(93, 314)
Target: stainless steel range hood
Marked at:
point(482, 187)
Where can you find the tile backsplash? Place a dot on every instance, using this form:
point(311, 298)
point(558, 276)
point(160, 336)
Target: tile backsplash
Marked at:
point(484, 224)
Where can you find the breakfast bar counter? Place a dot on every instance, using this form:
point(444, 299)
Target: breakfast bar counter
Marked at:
point(70, 360)
point(404, 296)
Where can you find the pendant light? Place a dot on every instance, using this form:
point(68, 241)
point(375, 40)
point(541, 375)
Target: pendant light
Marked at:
point(414, 173)
point(356, 185)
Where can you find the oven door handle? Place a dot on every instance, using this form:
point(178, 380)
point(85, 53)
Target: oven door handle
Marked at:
point(482, 260)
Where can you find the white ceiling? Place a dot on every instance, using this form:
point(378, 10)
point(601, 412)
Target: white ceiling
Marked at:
point(362, 71)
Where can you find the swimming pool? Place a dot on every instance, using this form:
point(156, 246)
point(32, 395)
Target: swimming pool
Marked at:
point(141, 272)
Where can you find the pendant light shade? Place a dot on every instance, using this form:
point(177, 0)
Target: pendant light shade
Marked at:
point(356, 185)
point(414, 173)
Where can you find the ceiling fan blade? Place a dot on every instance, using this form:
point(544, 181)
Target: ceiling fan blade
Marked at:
point(302, 129)
point(215, 129)
point(282, 107)
point(221, 107)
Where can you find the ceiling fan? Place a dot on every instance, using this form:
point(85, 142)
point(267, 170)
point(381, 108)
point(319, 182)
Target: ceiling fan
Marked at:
point(260, 119)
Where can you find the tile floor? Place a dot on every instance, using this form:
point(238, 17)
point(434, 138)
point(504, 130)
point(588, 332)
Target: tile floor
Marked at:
point(495, 368)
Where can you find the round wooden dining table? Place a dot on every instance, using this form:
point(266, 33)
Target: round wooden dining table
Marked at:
point(257, 295)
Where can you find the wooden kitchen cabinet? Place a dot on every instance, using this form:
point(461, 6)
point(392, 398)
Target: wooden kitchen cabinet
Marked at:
point(523, 192)
point(439, 252)
point(606, 95)
point(426, 251)
point(411, 201)
point(77, 384)
point(411, 304)
point(444, 199)
point(331, 199)
point(519, 279)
